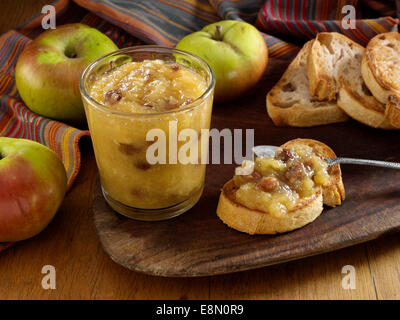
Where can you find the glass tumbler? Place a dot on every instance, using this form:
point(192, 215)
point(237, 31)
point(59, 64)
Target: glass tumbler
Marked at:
point(132, 184)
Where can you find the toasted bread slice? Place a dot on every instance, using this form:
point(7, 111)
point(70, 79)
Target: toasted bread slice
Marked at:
point(333, 192)
point(329, 54)
point(289, 102)
point(306, 210)
point(357, 101)
point(363, 107)
point(380, 69)
point(333, 68)
point(252, 221)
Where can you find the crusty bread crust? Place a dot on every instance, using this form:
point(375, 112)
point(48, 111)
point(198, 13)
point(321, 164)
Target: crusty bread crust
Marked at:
point(300, 115)
point(289, 102)
point(392, 111)
point(307, 210)
point(372, 115)
point(379, 93)
point(380, 69)
point(251, 221)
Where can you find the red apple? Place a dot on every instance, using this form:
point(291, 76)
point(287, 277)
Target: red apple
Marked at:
point(48, 70)
point(32, 186)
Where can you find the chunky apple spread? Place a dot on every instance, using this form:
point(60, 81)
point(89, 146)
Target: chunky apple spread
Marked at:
point(276, 184)
point(149, 86)
point(136, 98)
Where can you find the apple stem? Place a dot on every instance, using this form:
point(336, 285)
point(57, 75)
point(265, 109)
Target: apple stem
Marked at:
point(218, 30)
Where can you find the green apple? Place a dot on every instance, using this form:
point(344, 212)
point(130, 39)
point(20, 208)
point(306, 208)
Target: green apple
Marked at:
point(48, 70)
point(235, 51)
point(32, 186)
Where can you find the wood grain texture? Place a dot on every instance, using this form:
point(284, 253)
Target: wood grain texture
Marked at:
point(84, 271)
point(199, 244)
point(301, 279)
point(384, 262)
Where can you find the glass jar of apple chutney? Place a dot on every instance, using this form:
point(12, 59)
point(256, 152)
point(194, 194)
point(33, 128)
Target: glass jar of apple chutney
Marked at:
point(143, 105)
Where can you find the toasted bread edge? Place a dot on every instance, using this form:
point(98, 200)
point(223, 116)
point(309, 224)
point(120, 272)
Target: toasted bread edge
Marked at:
point(252, 222)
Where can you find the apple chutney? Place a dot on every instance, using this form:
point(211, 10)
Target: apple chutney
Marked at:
point(161, 89)
point(276, 184)
point(148, 86)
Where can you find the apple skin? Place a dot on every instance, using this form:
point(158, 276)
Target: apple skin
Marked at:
point(48, 70)
point(32, 186)
point(235, 51)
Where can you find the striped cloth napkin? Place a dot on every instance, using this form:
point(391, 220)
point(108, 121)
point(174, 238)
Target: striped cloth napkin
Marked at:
point(16, 120)
point(285, 25)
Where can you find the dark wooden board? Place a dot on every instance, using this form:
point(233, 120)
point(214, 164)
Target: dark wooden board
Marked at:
point(197, 243)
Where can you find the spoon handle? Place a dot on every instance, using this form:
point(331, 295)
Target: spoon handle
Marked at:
point(386, 164)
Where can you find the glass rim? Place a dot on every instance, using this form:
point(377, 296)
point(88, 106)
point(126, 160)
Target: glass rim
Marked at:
point(144, 48)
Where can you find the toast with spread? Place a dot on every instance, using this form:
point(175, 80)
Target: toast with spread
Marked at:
point(284, 192)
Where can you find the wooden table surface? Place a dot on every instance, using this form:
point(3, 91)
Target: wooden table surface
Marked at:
point(84, 271)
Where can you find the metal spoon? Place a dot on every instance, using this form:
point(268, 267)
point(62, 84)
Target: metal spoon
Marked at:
point(269, 151)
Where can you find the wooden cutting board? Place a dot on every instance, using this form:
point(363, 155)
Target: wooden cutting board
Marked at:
point(197, 243)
